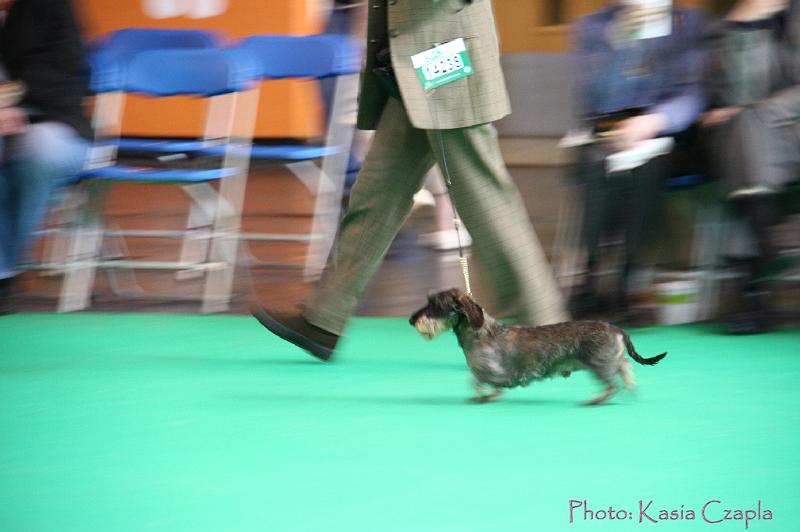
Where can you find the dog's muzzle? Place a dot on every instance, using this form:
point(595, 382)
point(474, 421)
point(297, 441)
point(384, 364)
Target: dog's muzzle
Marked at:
point(430, 328)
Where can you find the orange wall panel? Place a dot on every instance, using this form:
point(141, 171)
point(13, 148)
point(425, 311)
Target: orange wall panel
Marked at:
point(290, 109)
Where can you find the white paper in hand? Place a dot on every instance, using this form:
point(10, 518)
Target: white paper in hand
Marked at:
point(640, 154)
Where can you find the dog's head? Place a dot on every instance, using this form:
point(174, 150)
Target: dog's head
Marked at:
point(445, 311)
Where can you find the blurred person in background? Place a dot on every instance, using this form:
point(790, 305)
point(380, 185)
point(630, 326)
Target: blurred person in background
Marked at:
point(445, 236)
point(636, 81)
point(44, 135)
point(414, 130)
point(755, 132)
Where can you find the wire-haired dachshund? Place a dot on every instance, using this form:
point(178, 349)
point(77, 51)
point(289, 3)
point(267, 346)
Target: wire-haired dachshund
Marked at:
point(506, 356)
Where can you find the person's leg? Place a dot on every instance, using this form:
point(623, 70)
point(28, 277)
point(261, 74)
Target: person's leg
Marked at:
point(640, 212)
point(767, 156)
point(597, 192)
point(7, 266)
point(591, 174)
point(37, 162)
point(756, 153)
point(493, 212)
point(764, 157)
point(381, 199)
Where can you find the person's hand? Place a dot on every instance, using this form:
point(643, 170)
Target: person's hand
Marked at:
point(636, 129)
point(13, 120)
point(748, 10)
point(720, 115)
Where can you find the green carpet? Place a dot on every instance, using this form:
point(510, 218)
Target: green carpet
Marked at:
point(191, 423)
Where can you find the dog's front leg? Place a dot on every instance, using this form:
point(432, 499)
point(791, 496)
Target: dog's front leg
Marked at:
point(481, 396)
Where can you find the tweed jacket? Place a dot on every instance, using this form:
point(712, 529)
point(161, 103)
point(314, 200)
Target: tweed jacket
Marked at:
point(408, 27)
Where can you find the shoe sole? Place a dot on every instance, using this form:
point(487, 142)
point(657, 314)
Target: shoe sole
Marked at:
point(278, 329)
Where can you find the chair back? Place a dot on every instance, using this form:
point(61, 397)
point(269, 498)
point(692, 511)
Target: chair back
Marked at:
point(110, 54)
point(130, 41)
point(105, 72)
point(189, 72)
point(313, 56)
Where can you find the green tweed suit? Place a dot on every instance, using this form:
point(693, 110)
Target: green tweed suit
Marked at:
point(407, 144)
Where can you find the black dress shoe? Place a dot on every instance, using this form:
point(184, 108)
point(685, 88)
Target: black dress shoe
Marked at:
point(296, 330)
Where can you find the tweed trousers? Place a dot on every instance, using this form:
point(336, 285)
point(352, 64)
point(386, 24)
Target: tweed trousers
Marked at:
point(485, 196)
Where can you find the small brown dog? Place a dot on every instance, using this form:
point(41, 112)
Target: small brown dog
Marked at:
point(505, 356)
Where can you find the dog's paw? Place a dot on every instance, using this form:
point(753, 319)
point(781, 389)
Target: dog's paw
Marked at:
point(478, 399)
point(486, 398)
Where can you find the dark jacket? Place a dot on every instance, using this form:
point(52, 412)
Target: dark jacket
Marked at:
point(40, 45)
point(664, 74)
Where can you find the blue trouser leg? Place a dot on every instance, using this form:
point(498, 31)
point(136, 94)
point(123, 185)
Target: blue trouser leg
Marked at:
point(34, 164)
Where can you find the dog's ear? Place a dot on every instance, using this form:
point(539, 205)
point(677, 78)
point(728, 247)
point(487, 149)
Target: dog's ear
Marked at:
point(472, 311)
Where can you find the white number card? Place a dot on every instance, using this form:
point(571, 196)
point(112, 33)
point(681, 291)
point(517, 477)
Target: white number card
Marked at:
point(442, 64)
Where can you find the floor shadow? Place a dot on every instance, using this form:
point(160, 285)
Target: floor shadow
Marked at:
point(250, 361)
point(392, 400)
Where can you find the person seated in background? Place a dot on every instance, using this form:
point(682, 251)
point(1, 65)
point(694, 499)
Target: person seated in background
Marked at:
point(44, 135)
point(640, 75)
point(754, 129)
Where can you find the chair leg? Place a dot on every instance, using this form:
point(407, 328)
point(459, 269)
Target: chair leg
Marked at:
point(122, 281)
point(570, 258)
point(325, 218)
point(711, 234)
point(224, 245)
point(55, 241)
point(197, 236)
point(328, 201)
point(324, 224)
point(219, 280)
point(84, 247)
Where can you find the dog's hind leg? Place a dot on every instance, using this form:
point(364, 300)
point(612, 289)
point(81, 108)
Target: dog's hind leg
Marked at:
point(626, 372)
point(610, 390)
point(606, 376)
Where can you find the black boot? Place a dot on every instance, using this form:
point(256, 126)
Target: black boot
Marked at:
point(762, 212)
point(753, 315)
point(6, 297)
point(584, 302)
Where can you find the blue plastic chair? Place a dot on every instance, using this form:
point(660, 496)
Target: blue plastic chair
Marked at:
point(312, 57)
point(224, 79)
point(283, 57)
point(130, 41)
point(115, 51)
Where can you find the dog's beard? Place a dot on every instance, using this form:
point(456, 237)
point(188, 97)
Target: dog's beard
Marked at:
point(430, 328)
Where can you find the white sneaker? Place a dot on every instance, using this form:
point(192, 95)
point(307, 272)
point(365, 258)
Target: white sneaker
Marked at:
point(423, 201)
point(445, 240)
point(757, 190)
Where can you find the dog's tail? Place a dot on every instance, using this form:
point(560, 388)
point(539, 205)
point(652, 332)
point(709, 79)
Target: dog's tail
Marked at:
point(634, 355)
